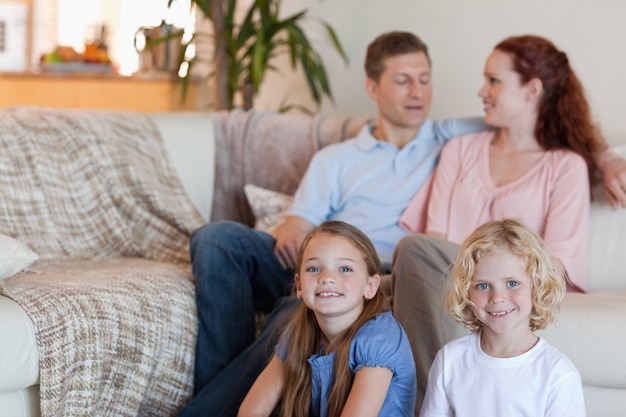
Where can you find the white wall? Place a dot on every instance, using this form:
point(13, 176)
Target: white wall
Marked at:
point(460, 35)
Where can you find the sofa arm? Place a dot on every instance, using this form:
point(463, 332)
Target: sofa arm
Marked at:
point(19, 354)
point(591, 331)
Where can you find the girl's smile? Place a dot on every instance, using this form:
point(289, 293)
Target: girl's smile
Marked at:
point(333, 280)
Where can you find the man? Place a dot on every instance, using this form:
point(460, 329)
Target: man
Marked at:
point(366, 181)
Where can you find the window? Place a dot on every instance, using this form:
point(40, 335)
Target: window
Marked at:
point(3, 34)
point(73, 22)
point(13, 36)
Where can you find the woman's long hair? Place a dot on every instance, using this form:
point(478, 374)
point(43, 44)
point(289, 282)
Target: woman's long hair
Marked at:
point(305, 336)
point(564, 117)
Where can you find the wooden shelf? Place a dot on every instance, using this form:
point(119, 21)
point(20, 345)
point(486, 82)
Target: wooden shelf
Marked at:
point(96, 91)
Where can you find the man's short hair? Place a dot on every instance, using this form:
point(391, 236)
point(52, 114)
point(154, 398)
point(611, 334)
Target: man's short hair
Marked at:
point(388, 45)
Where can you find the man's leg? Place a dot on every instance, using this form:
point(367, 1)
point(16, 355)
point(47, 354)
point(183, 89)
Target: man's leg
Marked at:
point(420, 275)
point(236, 273)
point(223, 395)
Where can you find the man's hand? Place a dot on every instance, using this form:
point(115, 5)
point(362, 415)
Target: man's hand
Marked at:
point(613, 170)
point(289, 236)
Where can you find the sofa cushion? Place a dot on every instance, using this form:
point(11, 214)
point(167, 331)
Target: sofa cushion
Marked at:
point(14, 256)
point(269, 207)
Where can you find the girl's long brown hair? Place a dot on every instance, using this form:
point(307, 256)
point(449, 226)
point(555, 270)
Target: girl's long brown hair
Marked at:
point(305, 336)
point(564, 119)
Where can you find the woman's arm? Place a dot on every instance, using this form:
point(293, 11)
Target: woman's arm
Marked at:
point(266, 391)
point(368, 392)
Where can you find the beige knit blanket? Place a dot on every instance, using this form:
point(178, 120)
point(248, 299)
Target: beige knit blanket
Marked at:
point(112, 299)
point(269, 149)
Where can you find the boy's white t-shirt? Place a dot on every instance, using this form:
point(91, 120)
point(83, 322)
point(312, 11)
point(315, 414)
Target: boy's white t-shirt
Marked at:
point(465, 381)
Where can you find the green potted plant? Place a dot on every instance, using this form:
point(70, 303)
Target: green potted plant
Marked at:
point(243, 51)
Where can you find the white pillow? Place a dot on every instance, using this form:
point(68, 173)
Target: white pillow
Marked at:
point(269, 207)
point(14, 256)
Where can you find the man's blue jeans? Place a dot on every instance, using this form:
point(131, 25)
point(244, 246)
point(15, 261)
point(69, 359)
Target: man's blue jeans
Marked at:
point(223, 395)
point(236, 273)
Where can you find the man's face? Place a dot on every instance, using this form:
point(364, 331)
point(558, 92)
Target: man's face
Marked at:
point(404, 91)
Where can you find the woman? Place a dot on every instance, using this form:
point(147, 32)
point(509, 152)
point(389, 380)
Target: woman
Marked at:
point(533, 166)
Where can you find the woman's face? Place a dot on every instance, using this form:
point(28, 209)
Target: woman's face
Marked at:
point(506, 101)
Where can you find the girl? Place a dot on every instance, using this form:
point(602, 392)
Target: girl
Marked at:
point(533, 167)
point(504, 287)
point(343, 353)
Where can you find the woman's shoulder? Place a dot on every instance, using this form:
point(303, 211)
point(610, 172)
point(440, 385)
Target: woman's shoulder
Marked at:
point(566, 157)
point(470, 141)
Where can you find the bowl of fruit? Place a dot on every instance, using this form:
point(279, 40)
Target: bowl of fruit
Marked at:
point(65, 58)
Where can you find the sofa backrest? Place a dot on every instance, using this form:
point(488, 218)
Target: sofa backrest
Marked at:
point(607, 245)
point(270, 150)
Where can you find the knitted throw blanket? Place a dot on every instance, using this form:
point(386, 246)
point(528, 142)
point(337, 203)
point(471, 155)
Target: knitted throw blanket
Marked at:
point(112, 298)
point(116, 337)
point(269, 149)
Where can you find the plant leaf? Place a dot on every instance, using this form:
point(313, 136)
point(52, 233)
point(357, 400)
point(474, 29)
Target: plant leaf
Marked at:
point(333, 36)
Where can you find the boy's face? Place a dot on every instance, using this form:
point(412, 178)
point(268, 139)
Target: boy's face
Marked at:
point(404, 91)
point(501, 294)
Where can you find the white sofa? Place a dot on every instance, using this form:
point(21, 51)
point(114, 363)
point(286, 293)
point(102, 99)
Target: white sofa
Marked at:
point(591, 328)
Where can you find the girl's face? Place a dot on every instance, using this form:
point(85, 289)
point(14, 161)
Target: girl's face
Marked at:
point(501, 293)
point(333, 279)
point(505, 99)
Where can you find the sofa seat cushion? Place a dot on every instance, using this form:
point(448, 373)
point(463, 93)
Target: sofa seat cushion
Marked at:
point(587, 331)
point(115, 336)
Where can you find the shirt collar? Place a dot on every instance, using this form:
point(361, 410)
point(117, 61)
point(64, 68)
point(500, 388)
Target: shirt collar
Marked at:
point(367, 141)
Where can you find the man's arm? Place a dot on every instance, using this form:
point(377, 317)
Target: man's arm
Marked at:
point(453, 127)
point(613, 170)
point(289, 237)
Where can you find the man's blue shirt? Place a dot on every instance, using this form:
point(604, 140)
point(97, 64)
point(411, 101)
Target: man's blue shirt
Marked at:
point(368, 183)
